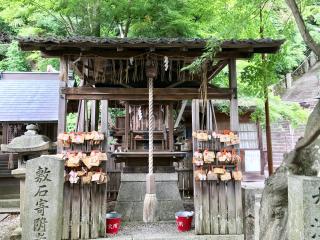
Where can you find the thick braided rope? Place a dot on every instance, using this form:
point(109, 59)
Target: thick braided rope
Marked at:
point(150, 125)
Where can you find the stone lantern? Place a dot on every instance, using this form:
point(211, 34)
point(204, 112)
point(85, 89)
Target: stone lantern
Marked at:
point(28, 146)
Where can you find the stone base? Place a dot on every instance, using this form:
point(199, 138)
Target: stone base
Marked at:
point(178, 236)
point(132, 192)
point(251, 196)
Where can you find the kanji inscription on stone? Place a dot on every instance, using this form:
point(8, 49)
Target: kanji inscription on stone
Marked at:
point(304, 207)
point(44, 198)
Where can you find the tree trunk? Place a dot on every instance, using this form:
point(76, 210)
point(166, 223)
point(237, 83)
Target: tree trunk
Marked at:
point(303, 160)
point(310, 42)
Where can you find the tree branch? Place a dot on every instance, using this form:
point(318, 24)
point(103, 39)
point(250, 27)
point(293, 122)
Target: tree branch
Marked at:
point(310, 42)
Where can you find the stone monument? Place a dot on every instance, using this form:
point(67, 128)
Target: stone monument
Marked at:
point(303, 208)
point(44, 198)
point(28, 146)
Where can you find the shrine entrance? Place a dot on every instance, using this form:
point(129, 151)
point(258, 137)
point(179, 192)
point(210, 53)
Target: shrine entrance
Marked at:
point(147, 78)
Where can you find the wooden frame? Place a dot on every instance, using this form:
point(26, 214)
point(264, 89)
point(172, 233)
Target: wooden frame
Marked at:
point(90, 93)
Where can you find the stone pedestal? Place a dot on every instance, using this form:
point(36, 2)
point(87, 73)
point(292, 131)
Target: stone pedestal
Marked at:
point(251, 196)
point(132, 192)
point(20, 173)
point(303, 208)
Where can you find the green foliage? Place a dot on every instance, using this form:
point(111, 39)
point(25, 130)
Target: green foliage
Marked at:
point(116, 112)
point(212, 48)
point(258, 75)
point(71, 122)
point(40, 64)
point(14, 59)
point(280, 110)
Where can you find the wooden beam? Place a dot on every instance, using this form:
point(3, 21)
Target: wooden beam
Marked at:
point(125, 54)
point(234, 112)
point(217, 68)
point(142, 93)
point(183, 106)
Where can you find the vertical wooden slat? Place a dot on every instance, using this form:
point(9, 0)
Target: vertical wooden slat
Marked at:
point(222, 208)
point(103, 209)
point(231, 203)
point(205, 207)
point(239, 212)
point(81, 116)
point(214, 203)
point(198, 207)
point(126, 128)
point(66, 211)
point(75, 215)
point(94, 209)
point(85, 210)
point(170, 123)
point(94, 116)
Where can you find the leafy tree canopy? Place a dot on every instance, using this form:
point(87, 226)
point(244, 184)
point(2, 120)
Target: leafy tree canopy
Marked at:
point(215, 19)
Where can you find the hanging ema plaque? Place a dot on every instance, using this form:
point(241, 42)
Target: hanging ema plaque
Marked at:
point(43, 199)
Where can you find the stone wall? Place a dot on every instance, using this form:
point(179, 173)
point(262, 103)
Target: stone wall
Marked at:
point(284, 138)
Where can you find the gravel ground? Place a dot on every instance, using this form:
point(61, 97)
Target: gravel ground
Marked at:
point(7, 225)
point(162, 231)
point(136, 229)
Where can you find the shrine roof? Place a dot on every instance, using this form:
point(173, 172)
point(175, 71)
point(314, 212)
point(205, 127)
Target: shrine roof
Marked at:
point(29, 97)
point(57, 45)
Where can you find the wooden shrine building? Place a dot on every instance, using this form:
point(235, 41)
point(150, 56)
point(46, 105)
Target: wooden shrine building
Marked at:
point(114, 72)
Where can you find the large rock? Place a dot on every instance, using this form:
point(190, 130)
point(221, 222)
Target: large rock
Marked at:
point(303, 160)
point(304, 208)
point(43, 199)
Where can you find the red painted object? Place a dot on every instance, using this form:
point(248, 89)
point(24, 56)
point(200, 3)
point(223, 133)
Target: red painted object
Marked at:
point(113, 222)
point(184, 220)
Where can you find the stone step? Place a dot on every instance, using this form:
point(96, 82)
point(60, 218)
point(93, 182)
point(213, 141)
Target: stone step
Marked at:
point(9, 203)
point(9, 210)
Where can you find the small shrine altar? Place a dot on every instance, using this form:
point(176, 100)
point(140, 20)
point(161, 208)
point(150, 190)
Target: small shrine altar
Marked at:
point(149, 78)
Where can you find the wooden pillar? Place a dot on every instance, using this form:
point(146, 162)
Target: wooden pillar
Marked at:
point(104, 129)
point(5, 133)
point(234, 113)
point(62, 98)
point(94, 115)
point(196, 184)
point(126, 126)
point(170, 123)
point(104, 122)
